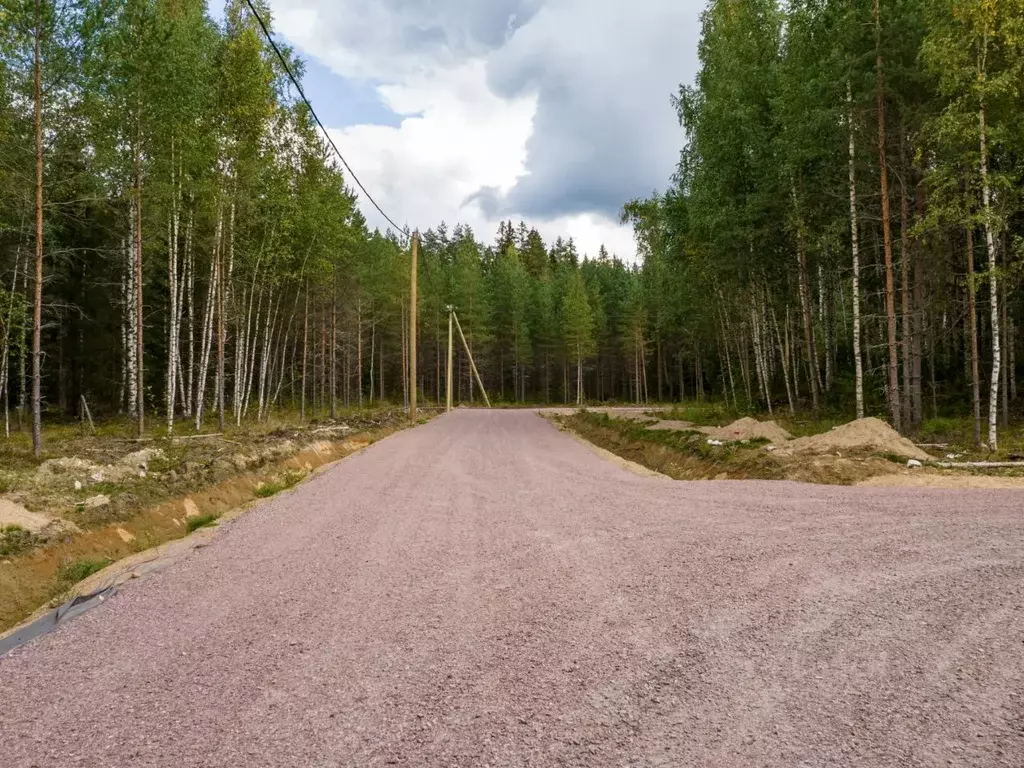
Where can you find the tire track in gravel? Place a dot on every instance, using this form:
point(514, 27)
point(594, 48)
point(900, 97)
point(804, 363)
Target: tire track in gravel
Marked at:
point(484, 590)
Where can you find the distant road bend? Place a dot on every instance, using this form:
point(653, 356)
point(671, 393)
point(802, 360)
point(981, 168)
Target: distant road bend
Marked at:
point(486, 591)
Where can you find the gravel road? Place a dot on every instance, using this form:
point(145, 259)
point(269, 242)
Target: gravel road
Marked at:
point(486, 591)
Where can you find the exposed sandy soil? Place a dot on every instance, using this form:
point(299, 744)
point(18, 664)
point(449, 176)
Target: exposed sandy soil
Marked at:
point(918, 479)
point(12, 513)
point(485, 590)
point(749, 429)
point(867, 435)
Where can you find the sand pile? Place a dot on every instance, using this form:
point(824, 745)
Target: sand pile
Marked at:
point(749, 429)
point(869, 434)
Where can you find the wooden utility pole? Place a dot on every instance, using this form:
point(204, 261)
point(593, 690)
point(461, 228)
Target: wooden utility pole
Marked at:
point(451, 314)
point(472, 364)
point(413, 389)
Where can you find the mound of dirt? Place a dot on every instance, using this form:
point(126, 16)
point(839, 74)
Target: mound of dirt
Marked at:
point(749, 429)
point(870, 434)
point(141, 459)
point(65, 465)
point(671, 426)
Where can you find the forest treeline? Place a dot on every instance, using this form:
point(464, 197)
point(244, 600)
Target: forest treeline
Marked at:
point(200, 257)
point(843, 230)
point(845, 224)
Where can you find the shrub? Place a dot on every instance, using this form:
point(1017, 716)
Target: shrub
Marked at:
point(201, 521)
point(70, 573)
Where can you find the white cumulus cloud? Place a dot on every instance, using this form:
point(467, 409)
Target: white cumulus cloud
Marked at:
point(551, 111)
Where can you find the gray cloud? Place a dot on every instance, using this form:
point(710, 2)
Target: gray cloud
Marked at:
point(383, 39)
point(602, 72)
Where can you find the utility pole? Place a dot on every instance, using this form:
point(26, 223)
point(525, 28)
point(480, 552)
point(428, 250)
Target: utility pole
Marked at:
point(472, 364)
point(451, 313)
point(413, 390)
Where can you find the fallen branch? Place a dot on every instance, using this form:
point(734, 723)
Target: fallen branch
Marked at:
point(981, 464)
point(339, 428)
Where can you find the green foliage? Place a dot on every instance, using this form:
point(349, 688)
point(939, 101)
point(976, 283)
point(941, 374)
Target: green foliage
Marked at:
point(243, 204)
point(14, 539)
point(285, 481)
point(201, 521)
point(73, 571)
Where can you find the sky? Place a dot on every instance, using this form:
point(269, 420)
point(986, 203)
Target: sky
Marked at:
point(554, 112)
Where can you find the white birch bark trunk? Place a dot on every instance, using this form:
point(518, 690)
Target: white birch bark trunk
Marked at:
point(131, 329)
point(190, 295)
point(359, 350)
point(784, 356)
point(206, 344)
point(986, 196)
point(855, 248)
point(173, 336)
point(759, 356)
point(253, 348)
point(6, 357)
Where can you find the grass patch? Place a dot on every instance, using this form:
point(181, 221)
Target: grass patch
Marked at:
point(274, 487)
point(201, 521)
point(707, 413)
point(70, 573)
point(687, 455)
point(895, 458)
point(14, 539)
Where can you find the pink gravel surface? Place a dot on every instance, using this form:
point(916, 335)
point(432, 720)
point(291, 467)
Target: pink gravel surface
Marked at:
point(486, 591)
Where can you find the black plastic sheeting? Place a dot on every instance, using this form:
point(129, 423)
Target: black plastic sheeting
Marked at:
point(55, 618)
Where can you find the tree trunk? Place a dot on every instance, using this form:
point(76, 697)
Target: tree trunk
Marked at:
point(805, 305)
point(305, 353)
point(140, 362)
point(1004, 384)
point(916, 404)
point(890, 287)
point(190, 261)
point(359, 350)
point(783, 355)
point(37, 304)
point(579, 376)
point(172, 290)
point(905, 289)
point(373, 356)
point(209, 315)
point(334, 342)
point(986, 196)
point(221, 287)
point(972, 331)
point(6, 355)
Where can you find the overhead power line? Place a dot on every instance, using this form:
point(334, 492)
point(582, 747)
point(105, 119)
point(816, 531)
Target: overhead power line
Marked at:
point(295, 82)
